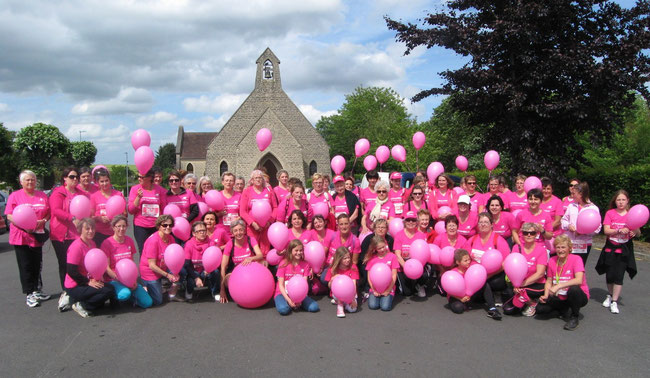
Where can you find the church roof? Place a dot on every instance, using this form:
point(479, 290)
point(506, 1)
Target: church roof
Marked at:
point(195, 145)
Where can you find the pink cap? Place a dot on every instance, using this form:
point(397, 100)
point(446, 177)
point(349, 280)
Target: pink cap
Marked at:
point(395, 176)
point(338, 178)
point(410, 214)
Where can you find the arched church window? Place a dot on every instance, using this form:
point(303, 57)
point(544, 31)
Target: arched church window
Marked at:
point(268, 70)
point(190, 167)
point(313, 168)
point(223, 168)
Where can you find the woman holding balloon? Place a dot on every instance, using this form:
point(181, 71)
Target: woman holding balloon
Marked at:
point(28, 211)
point(152, 263)
point(146, 202)
point(257, 206)
point(381, 280)
point(443, 196)
point(342, 265)
point(581, 221)
point(480, 244)
point(205, 185)
point(103, 208)
point(196, 250)
point(403, 241)
point(566, 201)
point(450, 237)
point(241, 249)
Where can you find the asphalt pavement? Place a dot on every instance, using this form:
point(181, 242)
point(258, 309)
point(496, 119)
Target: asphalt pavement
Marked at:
point(419, 337)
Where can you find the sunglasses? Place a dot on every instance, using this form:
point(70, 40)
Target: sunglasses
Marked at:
point(382, 191)
point(471, 183)
point(572, 185)
point(174, 180)
point(166, 225)
point(529, 233)
point(417, 194)
point(73, 177)
point(200, 231)
point(410, 220)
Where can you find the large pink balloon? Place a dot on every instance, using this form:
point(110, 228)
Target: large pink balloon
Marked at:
point(434, 254)
point(381, 277)
point(297, 288)
point(413, 269)
point(447, 256)
point(395, 226)
point(453, 283)
point(80, 207)
point(278, 235)
point(419, 139)
point(343, 288)
point(440, 227)
point(338, 164)
point(492, 260)
point(443, 212)
point(320, 208)
point(182, 228)
point(96, 262)
point(532, 182)
point(491, 160)
point(462, 163)
point(24, 217)
point(211, 259)
point(475, 277)
point(315, 255)
point(516, 268)
point(115, 206)
point(588, 221)
point(398, 153)
point(420, 250)
point(251, 285)
point(434, 170)
point(140, 138)
point(263, 138)
point(361, 147)
point(273, 258)
point(174, 258)
point(382, 153)
point(127, 272)
point(173, 210)
point(214, 199)
point(261, 212)
point(637, 216)
point(144, 159)
point(370, 162)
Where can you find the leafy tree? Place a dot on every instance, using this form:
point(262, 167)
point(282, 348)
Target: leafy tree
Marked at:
point(9, 160)
point(43, 146)
point(83, 153)
point(166, 156)
point(540, 72)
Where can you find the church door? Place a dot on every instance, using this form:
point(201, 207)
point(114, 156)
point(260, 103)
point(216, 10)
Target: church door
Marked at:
point(271, 165)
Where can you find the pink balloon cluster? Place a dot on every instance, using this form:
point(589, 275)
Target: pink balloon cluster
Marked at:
point(457, 285)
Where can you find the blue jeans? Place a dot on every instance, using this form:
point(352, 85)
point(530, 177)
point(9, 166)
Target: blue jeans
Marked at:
point(211, 280)
point(385, 302)
point(283, 307)
point(154, 289)
point(140, 295)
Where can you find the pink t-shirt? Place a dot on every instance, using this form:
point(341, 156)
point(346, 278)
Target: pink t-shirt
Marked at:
point(154, 248)
point(475, 201)
point(437, 200)
point(340, 205)
point(368, 197)
point(117, 251)
point(554, 208)
point(352, 272)
point(92, 188)
point(98, 203)
point(152, 204)
point(538, 256)
point(286, 207)
point(403, 242)
point(566, 273)
point(61, 225)
point(286, 271)
point(616, 221)
point(232, 211)
point(194, 252)
point(240, 253)
point(477, 248)
point(387, 211)
point(516, 201)
point(304, 237)
point(389, 259)
point(468, 227)
point(280, 193)
point(566, 202)
point(219, 237)
point(326, 241)
point(183, 200)
point(352, 244)
point(504, 197)
point(76, 254)
point(505, 224)
point(542, 218)
point(395, 196)
point(442, 241)
point(39, 203)
point(249, 197)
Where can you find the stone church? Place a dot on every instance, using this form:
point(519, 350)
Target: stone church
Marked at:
point(296, 147)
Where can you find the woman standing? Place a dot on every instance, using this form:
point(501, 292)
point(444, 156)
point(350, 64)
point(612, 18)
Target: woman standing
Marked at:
point(345, 202)
point(146, 202)
point(518, 198)
point(581, 243)
point(177, 195)
point(231, 199)
point(85, 181)
point(566, 201)
point(381, 208)
point(442, 195)
point(152, 263)
point(503, 221)
point(551, 205)
point(466, 218)
point(256, 192)
point(416, 200)
point(534, 214)
point(205, 185)
point(98, 205)
point(294, 201)
point(282, 190)
point(189, 183)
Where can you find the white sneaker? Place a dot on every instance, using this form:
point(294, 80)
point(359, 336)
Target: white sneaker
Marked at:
point(340, 313)
point(31, 301)
point(529, 311)
point(613, 308)
point(217, 298)
point(333, 301)
point(64, 302)
point(421, 292)
point(40, 296)
point(608, 301)
point(79, 309)
point(188, 296)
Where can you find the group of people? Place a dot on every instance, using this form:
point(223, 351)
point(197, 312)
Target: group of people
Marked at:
point(351, 224)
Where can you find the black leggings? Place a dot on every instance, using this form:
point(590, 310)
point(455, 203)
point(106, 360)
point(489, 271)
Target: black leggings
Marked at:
point(90, 297)
point(407, 285)
point(576, 298)
point(616, 270)
point(99, 238)
point(30, 261)
point(483, 295)
point(61, 250)
point(498, 282)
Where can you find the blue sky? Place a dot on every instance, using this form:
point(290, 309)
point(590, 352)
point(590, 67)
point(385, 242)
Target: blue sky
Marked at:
point(99, 70)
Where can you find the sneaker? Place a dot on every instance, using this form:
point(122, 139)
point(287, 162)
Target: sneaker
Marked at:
point(217, 298)
point(572, 324)
point(608, 301)
point(333, 301)
point(64, 302)
point(31, 301)
point(40, 296)
point(420, 291)
point(529, 311)
point(364, 296)
point(340, 312)
point(176, 298)
point(79, 309)
point(494, 314)
point(188, 296)
point(613, 308)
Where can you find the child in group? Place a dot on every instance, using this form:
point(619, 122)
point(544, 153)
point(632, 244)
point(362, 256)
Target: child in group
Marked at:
point(458, 304)
point(378, 253)
point(342, 264)
point(294, 264)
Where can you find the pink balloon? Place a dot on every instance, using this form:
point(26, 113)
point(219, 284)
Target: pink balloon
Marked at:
point(278, 235)
point(80, 207)
point(516, 268)
point(320, 208)
point(453, 283)
point(273, 258)
point(443, 211)
point(127, 272)
point(492, 260)
point(214, 199)
point(144, 159)
point(475, 277)
point(315, 255)
point(434, 252)
point(361, 147)
point(440, 227)
point(211, 259)
point(382, 153)
point(261, 212)
point(338, 164)
point(459, 190)
point(381, 277)
point(395, 226)
point(370, 162)
point(182, 228)
point(203, 208)
point(115, 206)
point(491, 160)
point(263, 138)
point(413, 269)
point(588, 221)
point(174, 258)
point(419, 139)
point(343, 288)
point(532, 182)
point(447, 256)
point(398, 153)
point(549, 244)
point(24, 217)
point(462, 163)
point(297, 288)
point(420, 251)
point(251, 285)
point(96, 262)
point(173, 210)
point(140, 138)
point(434, 170)
point(637, 216)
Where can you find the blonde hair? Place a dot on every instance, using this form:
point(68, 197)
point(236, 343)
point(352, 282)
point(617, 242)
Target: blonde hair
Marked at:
point(341, 252)
point(563, 239)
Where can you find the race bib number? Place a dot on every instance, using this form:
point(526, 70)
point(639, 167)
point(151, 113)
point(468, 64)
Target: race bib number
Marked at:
point(102, 212)
point(477, 255)
point(561, 291)
point(398, 207)
point(150, 210)
point(229, 218)
point(580, 248)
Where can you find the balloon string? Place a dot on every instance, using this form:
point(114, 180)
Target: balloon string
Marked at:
point(417, 160)
point(353, 164)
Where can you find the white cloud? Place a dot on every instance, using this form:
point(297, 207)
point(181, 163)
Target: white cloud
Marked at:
point(225, 103)
point(99, 135)
point(313, 114)
point(128, 100)
point(216, 124)
point(156, 118)
point(4, 108)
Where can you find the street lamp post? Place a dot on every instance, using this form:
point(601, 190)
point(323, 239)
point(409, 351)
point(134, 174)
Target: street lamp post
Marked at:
point(126, 154)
